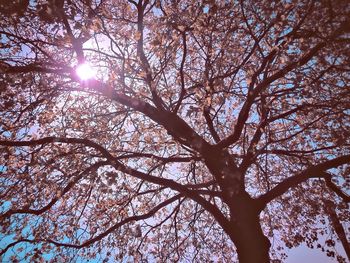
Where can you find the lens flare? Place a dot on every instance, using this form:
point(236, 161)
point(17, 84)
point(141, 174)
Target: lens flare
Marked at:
point(85, 72)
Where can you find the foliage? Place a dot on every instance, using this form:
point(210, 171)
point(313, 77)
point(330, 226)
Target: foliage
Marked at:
point(209, 125)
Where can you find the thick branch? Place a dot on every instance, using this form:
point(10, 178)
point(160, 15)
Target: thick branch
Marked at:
point(335, 189)
point(337, 225)
point(316, 171)
point(214, 134)
point(174, 125)
point(35, 68)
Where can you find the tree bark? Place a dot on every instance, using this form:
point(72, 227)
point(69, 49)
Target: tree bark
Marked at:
point(337, 225)
point(246, 232)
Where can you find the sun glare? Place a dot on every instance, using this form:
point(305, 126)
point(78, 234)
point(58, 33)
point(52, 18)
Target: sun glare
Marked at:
point(85, 72)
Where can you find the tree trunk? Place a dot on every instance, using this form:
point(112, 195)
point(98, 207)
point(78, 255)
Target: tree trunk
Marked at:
point(252, 245)
point(246, 233)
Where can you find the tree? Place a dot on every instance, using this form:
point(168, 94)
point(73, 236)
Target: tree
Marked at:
point(210, 129)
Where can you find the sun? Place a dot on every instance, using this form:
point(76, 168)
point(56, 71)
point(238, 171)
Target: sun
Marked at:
point(85, 71)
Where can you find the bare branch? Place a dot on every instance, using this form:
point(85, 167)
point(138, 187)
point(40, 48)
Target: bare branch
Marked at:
point(316, 171)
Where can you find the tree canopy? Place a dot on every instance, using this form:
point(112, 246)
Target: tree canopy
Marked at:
point(206, 130)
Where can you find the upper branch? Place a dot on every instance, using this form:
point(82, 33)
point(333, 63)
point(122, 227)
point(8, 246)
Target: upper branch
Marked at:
point(182, 77)
point(305, 58)
point(141, 53)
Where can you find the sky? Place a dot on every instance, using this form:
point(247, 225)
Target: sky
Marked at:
point(303, 254)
